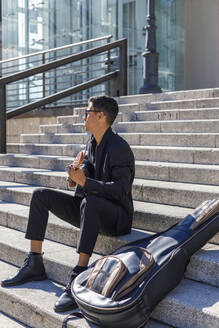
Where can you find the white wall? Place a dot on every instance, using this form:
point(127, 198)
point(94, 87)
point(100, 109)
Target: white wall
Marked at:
point(201, 44)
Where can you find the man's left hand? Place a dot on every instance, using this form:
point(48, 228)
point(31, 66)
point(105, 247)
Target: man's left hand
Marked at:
point(78, 176)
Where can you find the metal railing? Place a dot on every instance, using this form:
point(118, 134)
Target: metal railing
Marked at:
point(68, 46)
point(120, 74)
point(23, 91)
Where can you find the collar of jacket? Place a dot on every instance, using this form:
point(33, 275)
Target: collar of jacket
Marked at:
point(100, 150)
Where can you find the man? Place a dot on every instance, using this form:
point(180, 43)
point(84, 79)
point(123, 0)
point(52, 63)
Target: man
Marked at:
point(102, 201)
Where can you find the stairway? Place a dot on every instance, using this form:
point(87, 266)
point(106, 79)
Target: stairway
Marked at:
point(175, 139)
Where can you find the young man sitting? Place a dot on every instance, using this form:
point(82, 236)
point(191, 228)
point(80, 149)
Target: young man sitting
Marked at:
point(102, 200)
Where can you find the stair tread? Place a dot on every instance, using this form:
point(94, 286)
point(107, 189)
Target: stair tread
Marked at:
point(147, 215)
point(37, 156)
point(153, 191)
point(204, 303)
point(163, 122)
point(144, 182)
point(138, 205)
point(137, 162)
point(132, 146)
point(203, 264)
point(184, 100)
point(9, 322)
point(170, 95)
point(126, 133)
point(15, 216)
point(177, 185)
point(178, 165)
point(178, 110)
point(162, 171)
point(59, 254)
point(137, 122)
point(36, 300)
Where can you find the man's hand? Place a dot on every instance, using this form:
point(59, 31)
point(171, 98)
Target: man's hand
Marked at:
point(71, 183)
point(77, 175)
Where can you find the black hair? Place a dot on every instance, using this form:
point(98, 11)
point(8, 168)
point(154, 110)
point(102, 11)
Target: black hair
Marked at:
point(106, 104)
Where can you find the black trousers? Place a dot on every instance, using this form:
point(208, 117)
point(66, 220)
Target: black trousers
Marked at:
point(92, 214)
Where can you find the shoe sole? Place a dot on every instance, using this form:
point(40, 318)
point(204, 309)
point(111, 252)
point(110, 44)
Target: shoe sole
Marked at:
point(72, 307)
point(25, 281)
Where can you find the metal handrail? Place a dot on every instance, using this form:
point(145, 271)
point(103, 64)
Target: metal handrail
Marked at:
point(59, 95)
point(121, 73)
point(56, 49)
point(60, 62)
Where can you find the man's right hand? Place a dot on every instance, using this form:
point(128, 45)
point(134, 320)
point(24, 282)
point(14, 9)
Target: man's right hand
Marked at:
point(71, 183)
point(78, 161)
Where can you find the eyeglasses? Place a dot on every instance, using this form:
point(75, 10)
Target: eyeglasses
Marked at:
point(87, 111)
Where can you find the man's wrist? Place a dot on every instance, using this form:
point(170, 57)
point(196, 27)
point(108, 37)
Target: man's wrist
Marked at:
point(84, 182)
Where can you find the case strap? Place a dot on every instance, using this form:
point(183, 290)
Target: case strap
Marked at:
point(70, 317)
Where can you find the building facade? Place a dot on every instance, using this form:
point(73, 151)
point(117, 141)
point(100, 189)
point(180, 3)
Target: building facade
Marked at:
point(187, 34)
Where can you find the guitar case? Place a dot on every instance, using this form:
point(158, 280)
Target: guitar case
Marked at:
point(124, 287)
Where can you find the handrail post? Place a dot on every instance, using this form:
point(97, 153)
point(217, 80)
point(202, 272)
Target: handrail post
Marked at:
point(44, 75)
point(108, 69)
point(123, 69)
point(3, 149)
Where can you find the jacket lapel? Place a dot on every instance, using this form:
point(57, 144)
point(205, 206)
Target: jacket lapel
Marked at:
point(100, 152)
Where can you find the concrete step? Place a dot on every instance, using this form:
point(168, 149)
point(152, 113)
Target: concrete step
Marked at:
point(62, 128)
point(123, 108)
point(61, 231)
point(71, 119)
point(9, 322)
point(183, 104)
point(177, 172)
point(33, 304)
point(181, 114)
point(74, 119)
point(194, 155)
point(173, 193)
point(147, 215)
point(58, 258)
point(46, 149)
point(35, 161)
point(57, 138)
point(38, 177)
point(174, 95)
point(202, 266)
point(200, 126)
point(190, 155)
point(150, 115)
point(190, 304)
point(154, 191)
point(146, 139)
point(161, 171)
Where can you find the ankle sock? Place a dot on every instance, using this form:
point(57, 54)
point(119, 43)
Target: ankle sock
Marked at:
point(79, 269)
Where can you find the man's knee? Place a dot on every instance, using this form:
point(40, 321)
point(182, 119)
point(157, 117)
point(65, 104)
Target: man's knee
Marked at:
point(90, 201)
point(39, 194)
point(90, 204)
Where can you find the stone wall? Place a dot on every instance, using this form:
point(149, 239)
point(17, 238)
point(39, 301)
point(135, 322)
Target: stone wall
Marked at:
point(30, 123)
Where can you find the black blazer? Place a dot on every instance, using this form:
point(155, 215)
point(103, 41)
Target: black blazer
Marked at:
point(110, 169)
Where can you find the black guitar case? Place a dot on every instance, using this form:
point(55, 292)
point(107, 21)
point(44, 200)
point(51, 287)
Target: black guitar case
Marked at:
point(125, 287)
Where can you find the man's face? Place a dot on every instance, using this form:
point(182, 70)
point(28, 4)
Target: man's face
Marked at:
point(91, 121)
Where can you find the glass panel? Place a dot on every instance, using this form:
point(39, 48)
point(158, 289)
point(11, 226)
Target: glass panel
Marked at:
point(34, 25)
point(170, 43)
